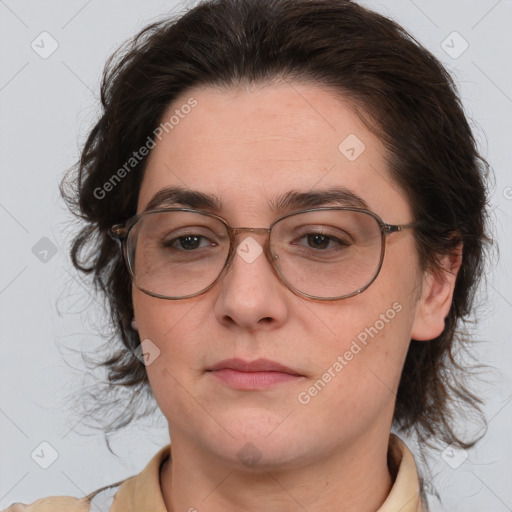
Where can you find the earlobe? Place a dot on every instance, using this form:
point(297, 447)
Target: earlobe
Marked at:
point(436, 297)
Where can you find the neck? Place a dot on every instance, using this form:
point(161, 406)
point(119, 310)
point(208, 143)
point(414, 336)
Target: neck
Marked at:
point(352, 478)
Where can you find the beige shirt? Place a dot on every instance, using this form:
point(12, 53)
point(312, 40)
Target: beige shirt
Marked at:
point(142, 493)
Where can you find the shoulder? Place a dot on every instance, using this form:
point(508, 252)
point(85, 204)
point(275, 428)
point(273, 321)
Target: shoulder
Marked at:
point(52, 504)
point(99, 500)
point(132, 493)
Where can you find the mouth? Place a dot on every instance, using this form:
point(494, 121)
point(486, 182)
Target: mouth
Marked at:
point(253, 375)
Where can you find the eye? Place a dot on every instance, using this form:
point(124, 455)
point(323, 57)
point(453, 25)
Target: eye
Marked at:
point(322, 241)
point(321, 238)
point(188, 242)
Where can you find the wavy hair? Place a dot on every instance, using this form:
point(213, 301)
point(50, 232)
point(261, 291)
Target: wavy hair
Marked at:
point(401, 92)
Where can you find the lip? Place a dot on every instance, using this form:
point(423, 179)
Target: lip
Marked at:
point(253, 375)
point(258, 365)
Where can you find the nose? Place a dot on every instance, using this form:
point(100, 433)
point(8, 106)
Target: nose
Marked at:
point(251, 295)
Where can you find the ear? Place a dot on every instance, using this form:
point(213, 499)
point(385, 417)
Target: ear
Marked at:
point(435, 301)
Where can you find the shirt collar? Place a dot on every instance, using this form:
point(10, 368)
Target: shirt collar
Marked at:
point(142, 493)
point(405, 493)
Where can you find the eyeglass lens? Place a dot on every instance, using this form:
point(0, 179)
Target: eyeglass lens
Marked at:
point(323, 253)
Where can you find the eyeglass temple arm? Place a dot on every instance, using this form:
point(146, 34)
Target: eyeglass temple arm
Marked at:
point(117, 232)
point(394, 228)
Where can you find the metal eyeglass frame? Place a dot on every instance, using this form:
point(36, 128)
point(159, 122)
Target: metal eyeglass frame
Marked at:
point(119, 232)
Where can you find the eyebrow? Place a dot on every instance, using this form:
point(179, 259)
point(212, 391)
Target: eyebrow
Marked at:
point(291, 200)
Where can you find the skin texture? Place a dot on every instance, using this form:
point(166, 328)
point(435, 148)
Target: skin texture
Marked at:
point(248, 145)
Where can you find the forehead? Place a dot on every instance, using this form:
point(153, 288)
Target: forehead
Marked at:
point(248, 146)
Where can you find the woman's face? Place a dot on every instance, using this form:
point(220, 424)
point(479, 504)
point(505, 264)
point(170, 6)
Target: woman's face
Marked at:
point(248, 147)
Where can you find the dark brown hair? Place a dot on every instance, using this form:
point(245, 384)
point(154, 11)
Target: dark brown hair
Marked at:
point(398, 88)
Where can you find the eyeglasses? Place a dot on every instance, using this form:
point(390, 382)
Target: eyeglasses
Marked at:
point(325, 253)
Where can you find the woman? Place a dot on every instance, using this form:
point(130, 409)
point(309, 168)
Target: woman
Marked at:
point(286, 209)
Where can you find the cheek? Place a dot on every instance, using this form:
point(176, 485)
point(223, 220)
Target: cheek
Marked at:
point(158, 319)
point(166, 328)
point(361, 360)
point(359, 375)
point(376, 344)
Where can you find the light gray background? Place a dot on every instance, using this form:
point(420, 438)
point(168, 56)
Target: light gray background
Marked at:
point(47, 105)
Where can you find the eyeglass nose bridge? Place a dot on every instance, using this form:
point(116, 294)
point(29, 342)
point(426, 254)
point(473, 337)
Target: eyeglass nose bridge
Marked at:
point(236, 231)
point(261, 231)
point(271, 257)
